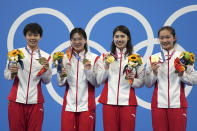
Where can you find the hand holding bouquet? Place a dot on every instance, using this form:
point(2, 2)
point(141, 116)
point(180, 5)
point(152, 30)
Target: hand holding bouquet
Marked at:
point(57, 59)
point(134, 61)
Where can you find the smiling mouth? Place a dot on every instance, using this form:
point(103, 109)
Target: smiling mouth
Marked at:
point(78, 45)
point(165, 44)
point(120, 43)
point(32, 41)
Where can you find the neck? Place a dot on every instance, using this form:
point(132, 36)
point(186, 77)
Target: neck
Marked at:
point(79, 51)
point(33, 48)
point(121, 50)
point(168, 49)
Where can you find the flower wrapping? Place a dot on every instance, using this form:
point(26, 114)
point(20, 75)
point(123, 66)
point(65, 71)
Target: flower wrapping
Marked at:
point(134, 61)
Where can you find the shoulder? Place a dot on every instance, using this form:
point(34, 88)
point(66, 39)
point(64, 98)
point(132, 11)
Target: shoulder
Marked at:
point(91, 55)
point(44, 54)
point(178, 53)
point(22, 48)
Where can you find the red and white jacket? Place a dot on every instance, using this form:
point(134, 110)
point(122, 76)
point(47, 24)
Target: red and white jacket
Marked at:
point(169, 87)
point(26, 87)
point(117, 90)
point(80, 83)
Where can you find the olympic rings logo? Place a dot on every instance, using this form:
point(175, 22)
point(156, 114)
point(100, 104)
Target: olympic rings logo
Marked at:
point(149, 43)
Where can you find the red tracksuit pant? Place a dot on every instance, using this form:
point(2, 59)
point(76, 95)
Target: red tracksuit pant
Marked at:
point(78, 121)
point(25, 117)
point(172, 119)
point(119, 118)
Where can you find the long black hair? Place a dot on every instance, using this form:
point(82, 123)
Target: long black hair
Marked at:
point(81, 32)
point(129, 46)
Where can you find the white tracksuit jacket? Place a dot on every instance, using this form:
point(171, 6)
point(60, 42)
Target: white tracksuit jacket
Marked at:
point(117, 90)
point(80, 90)
point(169, 87)
point(26, 89)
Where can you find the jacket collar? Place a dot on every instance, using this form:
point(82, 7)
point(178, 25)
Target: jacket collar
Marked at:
point(81, 55)
point(168, 54)
point(30, 50)
point(118, 53)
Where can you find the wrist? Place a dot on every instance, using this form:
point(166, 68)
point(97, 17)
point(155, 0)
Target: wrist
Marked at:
point(106, 66)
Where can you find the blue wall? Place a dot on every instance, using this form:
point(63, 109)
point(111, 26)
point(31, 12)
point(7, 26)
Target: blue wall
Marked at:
point(98, 18)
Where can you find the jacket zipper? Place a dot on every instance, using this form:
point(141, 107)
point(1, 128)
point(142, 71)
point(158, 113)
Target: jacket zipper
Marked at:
point(168, 83)
point(119, 78)
point(77, 83)
point(29, 77)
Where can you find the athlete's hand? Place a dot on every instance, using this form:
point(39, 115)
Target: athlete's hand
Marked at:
point(63, 72)
point(155, 66)
point(87, 65)
point(46, 64)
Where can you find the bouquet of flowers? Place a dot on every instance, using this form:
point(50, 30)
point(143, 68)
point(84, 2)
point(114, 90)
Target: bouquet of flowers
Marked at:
point(41, 60)
point(16, 56)
point(134, 61)
point(57, 59)
point(186, 58)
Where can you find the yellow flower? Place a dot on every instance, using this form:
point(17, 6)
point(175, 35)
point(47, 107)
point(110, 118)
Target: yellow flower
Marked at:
point(58, 55)
point(133, 57)
point(15, 53)
point(192, 58)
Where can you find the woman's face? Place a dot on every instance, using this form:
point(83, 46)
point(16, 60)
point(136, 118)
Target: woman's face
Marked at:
point(32, 39)
point(78, 42)
point(166, 40)
point(120, 40)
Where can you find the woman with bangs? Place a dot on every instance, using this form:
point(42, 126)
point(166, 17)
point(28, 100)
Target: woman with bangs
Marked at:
point(118, 95)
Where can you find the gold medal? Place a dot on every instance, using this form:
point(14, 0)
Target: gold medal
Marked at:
point(41, 60)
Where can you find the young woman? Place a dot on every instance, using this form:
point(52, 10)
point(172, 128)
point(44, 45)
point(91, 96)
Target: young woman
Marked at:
point(118, 96)
point(78, 111)
point(169, 104)
point(25, 108)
